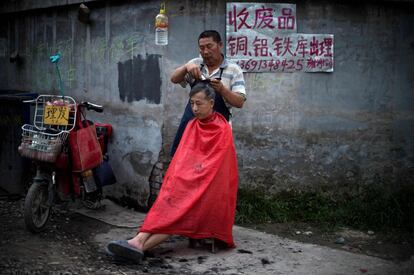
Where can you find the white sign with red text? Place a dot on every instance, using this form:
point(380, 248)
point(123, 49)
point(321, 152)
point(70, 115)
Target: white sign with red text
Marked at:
point(261, 37)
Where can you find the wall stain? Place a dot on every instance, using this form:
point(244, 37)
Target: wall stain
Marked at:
point(140, 161)
point(140, 78)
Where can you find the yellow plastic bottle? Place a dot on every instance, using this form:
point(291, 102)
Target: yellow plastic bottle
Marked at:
point(161, 27)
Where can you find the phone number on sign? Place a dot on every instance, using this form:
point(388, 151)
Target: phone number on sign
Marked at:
point(271, 65)
point(282, 64)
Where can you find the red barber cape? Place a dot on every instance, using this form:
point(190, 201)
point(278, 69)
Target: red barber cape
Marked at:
point(198, 195)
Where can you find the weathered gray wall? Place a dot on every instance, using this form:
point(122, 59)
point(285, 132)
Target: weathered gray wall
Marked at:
point(337, 130)
point(344, 129)
point(112, 61)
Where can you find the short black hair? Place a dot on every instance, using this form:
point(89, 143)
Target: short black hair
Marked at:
point(210, 33)
point(203, 86)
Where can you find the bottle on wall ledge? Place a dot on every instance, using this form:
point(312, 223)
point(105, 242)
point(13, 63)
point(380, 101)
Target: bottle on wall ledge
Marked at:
point(161, 27)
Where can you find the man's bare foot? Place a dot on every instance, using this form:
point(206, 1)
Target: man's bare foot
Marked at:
point(135, 243)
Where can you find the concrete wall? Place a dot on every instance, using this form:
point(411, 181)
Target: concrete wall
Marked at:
point(10, 6)
point(337, 130)
point(345, 129)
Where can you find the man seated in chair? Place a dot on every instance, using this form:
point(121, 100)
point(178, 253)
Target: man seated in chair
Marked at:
point(198, 195)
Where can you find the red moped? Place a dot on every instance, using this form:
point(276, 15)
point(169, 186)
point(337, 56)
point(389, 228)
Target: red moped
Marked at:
point(46, 143)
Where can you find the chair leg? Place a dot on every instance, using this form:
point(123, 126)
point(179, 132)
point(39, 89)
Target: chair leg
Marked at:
point(199, 243)
point(211, 242)
point(213, 245)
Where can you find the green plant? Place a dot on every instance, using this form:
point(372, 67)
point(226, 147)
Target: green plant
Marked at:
point(373, 208)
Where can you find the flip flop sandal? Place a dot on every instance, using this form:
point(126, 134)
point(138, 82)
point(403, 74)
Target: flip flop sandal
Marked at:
point(115, 257)
point(123, 249)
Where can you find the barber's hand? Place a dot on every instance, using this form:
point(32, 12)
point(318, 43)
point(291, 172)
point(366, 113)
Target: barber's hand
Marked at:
point(217, 85)
point(194, 70)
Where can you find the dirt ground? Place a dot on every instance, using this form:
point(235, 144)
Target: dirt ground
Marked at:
point(66, 246)
point(395, 245)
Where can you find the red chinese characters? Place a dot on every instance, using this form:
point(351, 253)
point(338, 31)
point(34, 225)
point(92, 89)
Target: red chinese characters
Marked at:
point(237, 45)
point(286, 21)
point(240, 17)
point(264, 18)
point(260, 47)
point(283, 46)
point(261, 37)
point(325, 47)
point(301, 47)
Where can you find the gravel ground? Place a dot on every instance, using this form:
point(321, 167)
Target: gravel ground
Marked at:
point(65, 247)
point(73, 244)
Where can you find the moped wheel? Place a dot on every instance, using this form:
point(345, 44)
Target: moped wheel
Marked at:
point(36, 207)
